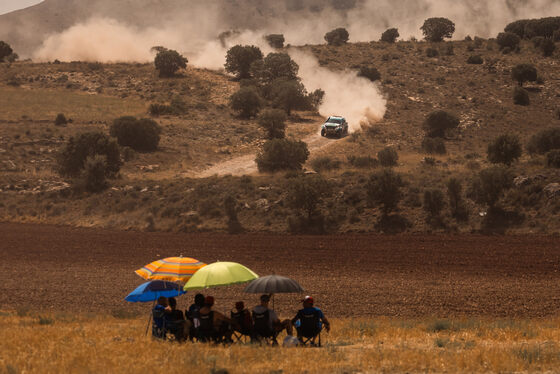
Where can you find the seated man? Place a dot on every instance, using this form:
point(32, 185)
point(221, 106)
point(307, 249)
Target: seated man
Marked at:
point(175, 321)
point(213, 325)
point(309, 321)
point(193, 314)
point(241, 318)
point(266, 322)
point(158, 315)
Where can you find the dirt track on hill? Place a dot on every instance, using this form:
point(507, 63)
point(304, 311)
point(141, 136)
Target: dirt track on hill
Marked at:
point(82, 270)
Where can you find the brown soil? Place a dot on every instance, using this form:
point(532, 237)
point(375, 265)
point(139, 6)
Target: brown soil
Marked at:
point(82, 270)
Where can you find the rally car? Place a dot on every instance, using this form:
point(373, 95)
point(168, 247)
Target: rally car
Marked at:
point(335, 126)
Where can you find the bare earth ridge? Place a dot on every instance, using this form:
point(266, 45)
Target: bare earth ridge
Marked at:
point(83, 270)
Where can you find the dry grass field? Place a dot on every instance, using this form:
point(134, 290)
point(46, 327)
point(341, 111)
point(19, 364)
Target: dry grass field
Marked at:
point(69, 343)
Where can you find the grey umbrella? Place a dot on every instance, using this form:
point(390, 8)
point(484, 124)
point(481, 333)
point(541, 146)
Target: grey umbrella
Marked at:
point(272, 284)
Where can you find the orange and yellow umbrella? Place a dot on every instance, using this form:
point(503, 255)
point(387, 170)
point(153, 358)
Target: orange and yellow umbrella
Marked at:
point(173, 269)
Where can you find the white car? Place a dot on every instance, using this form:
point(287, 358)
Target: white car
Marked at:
point(335, 126)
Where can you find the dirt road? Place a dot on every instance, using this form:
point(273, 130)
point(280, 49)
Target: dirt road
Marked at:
point(246, 165)
point(68, 269)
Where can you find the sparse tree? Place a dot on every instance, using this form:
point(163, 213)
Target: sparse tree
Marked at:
point(240, 58)
point(71, 161)
point(524, 73)
point(168, 62)
point(95, 171)
point(488, 187)
point(274, 123)
point(438, 122)
point(142, 135)
point(548, 47)
point(456, 202)
point(384, 189)
point(275, 40)
point(544, 141)
point(433, 202)
point(388, 157)
point(390, 35)
point(306, 193)
point(433, 146)
point(505, 149)
point(247, 102)
point(60, 120)
point(508, 40)
point(438, 28)
point(289, 95)
point(275, 66)
point(337, 37)
point(5, 50)
point(282, 154)
point(370, 73)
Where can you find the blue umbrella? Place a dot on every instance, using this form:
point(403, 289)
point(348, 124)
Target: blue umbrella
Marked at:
point(150, 291)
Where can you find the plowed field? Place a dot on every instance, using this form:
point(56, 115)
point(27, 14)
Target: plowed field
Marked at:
point(81, 270)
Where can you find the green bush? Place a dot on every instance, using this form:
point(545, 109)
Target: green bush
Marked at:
point(142, 135)
point(553, 159)
point(508, 40)
point(157, 110)
point(95, 171)
point(436, 29)
point(239, 60)
point(521, 96)
point(384, 190)
point(505, 149)
point(434, 146)
point(517, 27)
point(247, 102)
point(438, 122)
point(71, 161)
point(337, 37)
point(544, 141)
point(524, 73)
point(432, 52)
point(363, 161)
point(275, 40)
point(475, 60)
point(168, 62)
point(390, 35)
point(282, 154)
point(60, 120)
point(388, 157)
point(306, 193)
point(273, 121)
point(370, 73)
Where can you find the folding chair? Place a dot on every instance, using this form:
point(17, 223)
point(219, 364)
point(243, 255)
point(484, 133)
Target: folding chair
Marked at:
point(262, 330)
point(245, 326)
point(309, 330)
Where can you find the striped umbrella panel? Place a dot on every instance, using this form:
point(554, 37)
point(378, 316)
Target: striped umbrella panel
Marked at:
point(175, 269)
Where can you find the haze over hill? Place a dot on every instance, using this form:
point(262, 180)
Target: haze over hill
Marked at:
point(188, 25)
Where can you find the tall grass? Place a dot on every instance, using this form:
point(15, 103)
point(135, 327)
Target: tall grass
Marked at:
point(106, 344)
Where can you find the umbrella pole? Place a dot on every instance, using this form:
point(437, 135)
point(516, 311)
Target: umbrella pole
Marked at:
point(150, 318)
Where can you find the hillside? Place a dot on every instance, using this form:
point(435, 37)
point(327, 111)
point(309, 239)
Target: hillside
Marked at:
point(161, 190)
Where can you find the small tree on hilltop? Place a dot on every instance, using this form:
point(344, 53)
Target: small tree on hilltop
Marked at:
point(5, 50)
point(508, 40)
point(505, 149)
point(436, 29)
point(306, 193)
point(274, 123)
point(168, 62)
point(384, 189)
point(247, 102)
point(282, 154)
point(337, 37)
point(71, 161)
point(438, 122)
point(275, 40)
point(240, 58)
point(289, 95)
point(524, 73)
point(390, 35)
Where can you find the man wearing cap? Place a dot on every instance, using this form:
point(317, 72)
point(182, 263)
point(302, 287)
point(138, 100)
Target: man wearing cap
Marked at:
point(274, 324)
point(309, 312)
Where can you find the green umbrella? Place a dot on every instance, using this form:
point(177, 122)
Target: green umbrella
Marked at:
point(220, 274)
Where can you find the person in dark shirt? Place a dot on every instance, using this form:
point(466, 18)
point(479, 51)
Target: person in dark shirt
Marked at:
point(312, 313)
point(241, 319)
point(193, 314)
point(175, 321)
